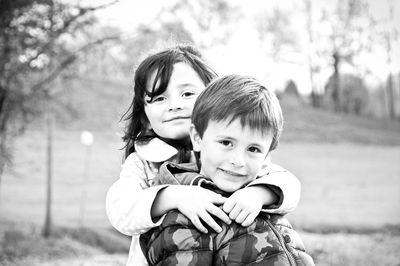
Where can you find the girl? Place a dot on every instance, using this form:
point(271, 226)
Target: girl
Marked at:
point(166, 87)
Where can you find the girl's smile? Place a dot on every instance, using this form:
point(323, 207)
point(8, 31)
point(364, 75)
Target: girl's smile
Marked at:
point(169, 113)
point(177, 118)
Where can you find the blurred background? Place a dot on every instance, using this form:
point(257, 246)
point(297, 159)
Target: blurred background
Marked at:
point(66, 76)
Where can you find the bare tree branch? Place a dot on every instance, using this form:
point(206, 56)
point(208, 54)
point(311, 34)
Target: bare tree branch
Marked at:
point(68, 61)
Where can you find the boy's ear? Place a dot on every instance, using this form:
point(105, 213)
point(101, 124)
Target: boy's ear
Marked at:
point(195, 138)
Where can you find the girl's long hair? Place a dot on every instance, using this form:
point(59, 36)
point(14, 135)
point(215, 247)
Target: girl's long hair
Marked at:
point(163, 64)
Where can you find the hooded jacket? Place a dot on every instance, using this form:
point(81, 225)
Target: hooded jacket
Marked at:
point(269, 240)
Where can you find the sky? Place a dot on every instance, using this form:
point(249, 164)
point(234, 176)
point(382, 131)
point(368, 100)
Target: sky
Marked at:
point(244, 54)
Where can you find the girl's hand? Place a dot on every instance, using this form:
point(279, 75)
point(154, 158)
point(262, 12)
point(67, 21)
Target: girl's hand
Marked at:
point(196, 202)
point(245, 204)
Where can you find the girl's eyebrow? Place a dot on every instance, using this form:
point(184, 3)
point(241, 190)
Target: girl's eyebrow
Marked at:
point(188, 84)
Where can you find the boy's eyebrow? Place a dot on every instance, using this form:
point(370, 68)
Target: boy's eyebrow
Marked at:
point(225, 137)
point(232, 138)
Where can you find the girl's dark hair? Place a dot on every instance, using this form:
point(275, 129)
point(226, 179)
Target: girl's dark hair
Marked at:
point(163, 65)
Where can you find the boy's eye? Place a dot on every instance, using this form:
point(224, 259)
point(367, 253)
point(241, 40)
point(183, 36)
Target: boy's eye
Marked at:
point(254, 149)
point(226, 143)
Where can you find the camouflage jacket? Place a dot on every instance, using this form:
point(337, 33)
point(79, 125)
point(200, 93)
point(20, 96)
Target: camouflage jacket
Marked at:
point(269, 240)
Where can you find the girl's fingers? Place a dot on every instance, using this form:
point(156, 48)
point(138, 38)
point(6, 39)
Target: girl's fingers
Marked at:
point(196, 222)
point(217, 212)
point(228, 205)
point(233, 214)
point(210, 221)
point(218, 199)
point(241, 217)
point(249, 220)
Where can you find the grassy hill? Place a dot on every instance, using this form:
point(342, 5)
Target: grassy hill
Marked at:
point(99, 104)
point(349, 188)
point(304, 123)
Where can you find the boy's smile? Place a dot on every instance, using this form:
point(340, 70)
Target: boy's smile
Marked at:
point(231, 155)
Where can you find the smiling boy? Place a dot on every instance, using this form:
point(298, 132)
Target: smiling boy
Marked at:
point(236, 123)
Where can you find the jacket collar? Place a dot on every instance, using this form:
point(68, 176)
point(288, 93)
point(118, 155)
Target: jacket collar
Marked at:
point(155, 150)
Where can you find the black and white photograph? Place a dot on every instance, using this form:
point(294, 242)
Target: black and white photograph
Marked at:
point(199, 132)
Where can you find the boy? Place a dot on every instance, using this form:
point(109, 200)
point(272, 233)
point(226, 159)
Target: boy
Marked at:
point(236, 123)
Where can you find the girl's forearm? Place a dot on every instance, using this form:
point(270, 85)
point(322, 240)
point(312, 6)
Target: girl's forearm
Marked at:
point(267, 196)
point(164, 201)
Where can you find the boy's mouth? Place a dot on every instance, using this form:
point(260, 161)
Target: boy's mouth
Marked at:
point(232, 173)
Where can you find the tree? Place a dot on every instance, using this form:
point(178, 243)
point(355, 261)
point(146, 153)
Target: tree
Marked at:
point(35, 48)
point(277, 33)
point(348, 37)
point(390, 36)
point(206, 21)
point(353, 94)
point(312, 52)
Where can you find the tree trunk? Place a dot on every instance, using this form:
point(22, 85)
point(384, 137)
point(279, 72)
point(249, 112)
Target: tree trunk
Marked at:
point(336, 83)
point(4, 153)
point(390, 97)
point(314, 95)
point(2, 164)
point(390, 86)
point(49, 131)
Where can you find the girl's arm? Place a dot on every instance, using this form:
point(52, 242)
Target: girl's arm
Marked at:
point(133, 207)
point(275, 191)
point(282, 183)
point(129, 199)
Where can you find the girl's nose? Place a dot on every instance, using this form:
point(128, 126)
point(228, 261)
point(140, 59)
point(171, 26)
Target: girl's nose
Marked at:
point(175, 104)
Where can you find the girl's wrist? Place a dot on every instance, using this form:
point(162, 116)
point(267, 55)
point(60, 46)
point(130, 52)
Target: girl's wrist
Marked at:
point(170, 197)
point(163, 202)
point(266, 195)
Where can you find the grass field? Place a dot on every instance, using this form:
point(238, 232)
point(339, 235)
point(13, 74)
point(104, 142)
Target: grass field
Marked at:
point(350, 195)
point(343, 184)
point(348, 166)
point(346, 185)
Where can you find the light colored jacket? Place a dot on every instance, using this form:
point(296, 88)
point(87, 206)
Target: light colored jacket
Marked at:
point(130, 198)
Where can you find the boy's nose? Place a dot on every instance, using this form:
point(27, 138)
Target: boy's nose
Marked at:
point(237, 159)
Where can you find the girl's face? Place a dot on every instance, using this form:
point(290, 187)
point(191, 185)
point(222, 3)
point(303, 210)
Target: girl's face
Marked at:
point(170, 113)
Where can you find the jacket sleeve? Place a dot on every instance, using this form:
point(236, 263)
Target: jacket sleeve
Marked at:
point(129, 199)
point(284, 184)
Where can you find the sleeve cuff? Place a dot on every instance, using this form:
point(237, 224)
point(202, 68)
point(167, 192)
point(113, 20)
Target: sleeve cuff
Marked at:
point(146, 202)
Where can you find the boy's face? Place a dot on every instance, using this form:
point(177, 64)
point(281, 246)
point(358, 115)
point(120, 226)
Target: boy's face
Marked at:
point(231, 155)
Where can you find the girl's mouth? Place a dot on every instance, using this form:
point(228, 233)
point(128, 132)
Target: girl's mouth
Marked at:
point(176, 118)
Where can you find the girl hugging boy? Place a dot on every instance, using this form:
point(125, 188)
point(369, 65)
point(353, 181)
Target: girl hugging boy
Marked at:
point(236, 123)
point(166, 87)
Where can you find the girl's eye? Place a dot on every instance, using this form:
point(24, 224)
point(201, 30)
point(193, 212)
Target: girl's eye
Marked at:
point(226, 143)
point(156, 99)
point(254, 149)
point(188, 94)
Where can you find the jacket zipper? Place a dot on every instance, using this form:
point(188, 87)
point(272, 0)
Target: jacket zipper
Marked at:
point(292, 261)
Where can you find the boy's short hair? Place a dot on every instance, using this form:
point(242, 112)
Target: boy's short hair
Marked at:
point(239, 97)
